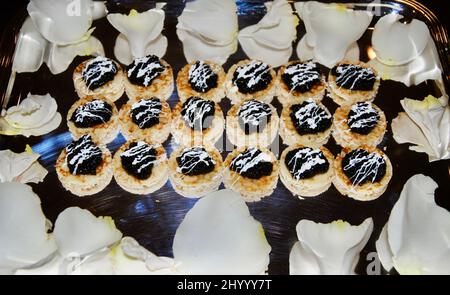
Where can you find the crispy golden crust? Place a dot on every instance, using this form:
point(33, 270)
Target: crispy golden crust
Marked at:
point(112, 90)
point(237, 135)
point(103, 133)
point(310, 187)
point(158, 133)
point(286, 96)
point(237, 97)
point(157, 179)
point(290, 135)
point(346, 138)
point(84, 185)
point(343, 96)
point(198, 185)
point(367, 191)
point(185, 90)
point(185, 135)
point(252, 190)
point(161, 87)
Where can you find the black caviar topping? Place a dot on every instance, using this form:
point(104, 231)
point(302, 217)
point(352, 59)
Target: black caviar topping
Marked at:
point(362, 118)
point(361, 167)
point(304, 163)
point(144, 70)
point(83, 156)
point(139, 159)
point(98, 72)
point(145, 113)
point(354, 77)
point(302, 77)
point(254, 115)
point(310, 118)
point(252, 77)
point(91, 114)
point(202, 77)
point(195, 161)
point(198, 113)
point(252, 163)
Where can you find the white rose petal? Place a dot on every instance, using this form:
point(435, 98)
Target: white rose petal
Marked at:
point(328, 249)
point(34, 116)
point(79, 232)
point(270, 40)
point(208, 30)
point(416, 238)
point(140, 34)
point(219, 236)
point(331, 29)
point(24, 240)
point(426, 124)
point(22, 167)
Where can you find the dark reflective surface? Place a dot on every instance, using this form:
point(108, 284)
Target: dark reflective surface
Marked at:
point(153, 219)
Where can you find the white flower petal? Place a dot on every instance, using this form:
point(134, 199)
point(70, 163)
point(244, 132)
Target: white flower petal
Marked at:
point(62, 21)
point(418, 230)
point(123, 54)
point(34, 111)
point(130, 258)
point(33, 50)
point(34, 116)
point(79, 232)
point(331, 248)
point(270, 40)
point(30, 50)
point(331, 29)
point(139, 29)
point(60, 57)
point(306, 52)
point(396, 43)
point(212, 20)
point(98, 9)
point(426, 66)
point(219, 236)
point(426, 124)
point(196, 49)
point(383, 250)
point(208, 30)
point(22, 167)
point(24, 240)
point(51, 268)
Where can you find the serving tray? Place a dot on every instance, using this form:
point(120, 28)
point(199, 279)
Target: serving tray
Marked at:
point(153, 219)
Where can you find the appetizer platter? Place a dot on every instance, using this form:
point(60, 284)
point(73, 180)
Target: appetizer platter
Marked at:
point(224, 137)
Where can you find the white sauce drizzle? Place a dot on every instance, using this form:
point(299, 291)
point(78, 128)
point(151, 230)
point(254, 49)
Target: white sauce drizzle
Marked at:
point(253, 112)
point(199, 75)
point(195, 110)
point(302, 73)
point(140, 156)
point(102, 67)
point(197, 155)
point(248, 159)
point(368, 167)
point(87, 110)
point(248, 72)
point(311, 114)
point(300, 166)
point(85, 149)
point(151, 110)
point(147, 72)
point(359, 110)
point(352, 73)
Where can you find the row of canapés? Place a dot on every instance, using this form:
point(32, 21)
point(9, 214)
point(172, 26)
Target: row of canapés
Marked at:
point(85, 168)
point(199, 121)
point(198, 118)
point(150, 76)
